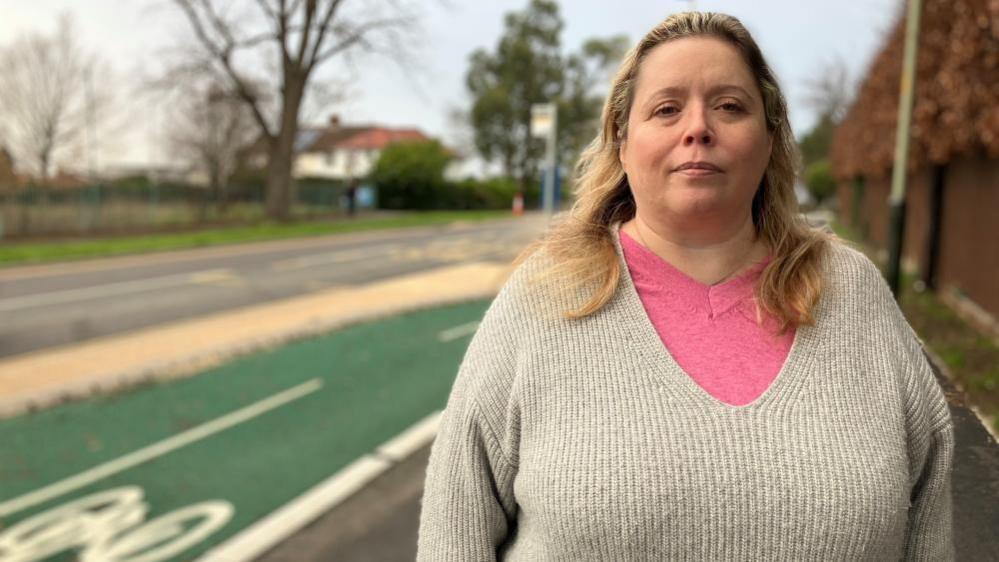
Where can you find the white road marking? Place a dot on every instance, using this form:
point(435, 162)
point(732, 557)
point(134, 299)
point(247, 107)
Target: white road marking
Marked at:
point(158, 449)
point(457, 332)
point(114, 289)
point(325, 259)
point(411, 440)
point(265, 534)
point(111, 525)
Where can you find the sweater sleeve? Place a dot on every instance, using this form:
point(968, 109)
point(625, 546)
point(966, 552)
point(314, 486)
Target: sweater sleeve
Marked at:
point(469, 510)
point(930, 534)
point(929, 428)
point(468, 505)
point(931, 455)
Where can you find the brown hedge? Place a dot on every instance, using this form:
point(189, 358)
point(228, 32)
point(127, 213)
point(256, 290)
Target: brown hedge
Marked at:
point(956, 110)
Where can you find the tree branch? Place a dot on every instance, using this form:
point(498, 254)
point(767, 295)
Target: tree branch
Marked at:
point(223, 57)
point(303, 42)
point(357, 35)
point(324, 25)
point(268, 11)
point(283, 32)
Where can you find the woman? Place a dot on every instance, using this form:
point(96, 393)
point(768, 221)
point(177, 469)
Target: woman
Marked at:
point(684, 370)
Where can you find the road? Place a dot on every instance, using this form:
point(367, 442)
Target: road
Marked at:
point(51, 305)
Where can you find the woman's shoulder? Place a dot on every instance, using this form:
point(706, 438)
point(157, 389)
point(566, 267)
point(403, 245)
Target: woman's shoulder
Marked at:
point(865, 307)
point(532, 289)
point(856, 297)
point(850, 273)
point(844, 260)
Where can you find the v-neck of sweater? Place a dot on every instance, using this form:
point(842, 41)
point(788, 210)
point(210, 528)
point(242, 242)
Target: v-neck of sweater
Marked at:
point(650, 270)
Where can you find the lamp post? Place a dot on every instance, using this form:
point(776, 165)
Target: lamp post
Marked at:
point(896, 200)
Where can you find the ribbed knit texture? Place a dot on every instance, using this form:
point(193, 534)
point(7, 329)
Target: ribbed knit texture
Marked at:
point(584, 440)
point(716, 333)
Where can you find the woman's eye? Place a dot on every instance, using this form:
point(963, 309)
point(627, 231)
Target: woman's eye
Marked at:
point(731, 106)
point(667, 110)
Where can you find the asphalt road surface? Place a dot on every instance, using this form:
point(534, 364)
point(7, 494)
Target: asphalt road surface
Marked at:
point(45, 306)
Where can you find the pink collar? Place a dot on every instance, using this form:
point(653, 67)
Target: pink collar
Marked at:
point(649, 270)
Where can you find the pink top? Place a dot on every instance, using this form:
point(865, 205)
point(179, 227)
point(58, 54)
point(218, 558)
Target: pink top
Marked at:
point(710, 330)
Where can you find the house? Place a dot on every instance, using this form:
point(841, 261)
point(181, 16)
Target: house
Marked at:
point(341, 152)
point(952, 195)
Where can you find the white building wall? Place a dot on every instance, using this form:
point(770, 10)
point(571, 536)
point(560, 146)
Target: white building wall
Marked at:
point(340, 164)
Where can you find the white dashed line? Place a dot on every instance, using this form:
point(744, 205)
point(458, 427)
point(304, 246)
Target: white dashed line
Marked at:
point(158, 449)
point(114, 289)
point(457, 332)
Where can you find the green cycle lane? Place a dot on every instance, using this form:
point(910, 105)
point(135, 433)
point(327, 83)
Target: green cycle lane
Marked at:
point(377, 379)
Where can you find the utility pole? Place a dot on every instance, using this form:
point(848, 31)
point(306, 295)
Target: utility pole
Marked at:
point(896, 201)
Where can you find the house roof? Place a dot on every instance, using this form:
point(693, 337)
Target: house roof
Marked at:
point(335, 136)
point(957, 85)
point(356, 138)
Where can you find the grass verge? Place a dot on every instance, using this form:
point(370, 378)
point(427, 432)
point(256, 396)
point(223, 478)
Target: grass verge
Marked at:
point(971, 357)
point(40, 252)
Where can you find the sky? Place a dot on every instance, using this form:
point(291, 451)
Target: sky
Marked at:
point(797, 37)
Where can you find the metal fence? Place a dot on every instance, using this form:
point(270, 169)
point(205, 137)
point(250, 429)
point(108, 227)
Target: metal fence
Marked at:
point(33, 211)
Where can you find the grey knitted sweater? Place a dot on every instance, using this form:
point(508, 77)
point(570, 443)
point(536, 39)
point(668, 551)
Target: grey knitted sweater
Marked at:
point(584, 440)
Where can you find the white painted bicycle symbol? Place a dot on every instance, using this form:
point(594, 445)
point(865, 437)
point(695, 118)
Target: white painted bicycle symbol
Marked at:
point(110, 526)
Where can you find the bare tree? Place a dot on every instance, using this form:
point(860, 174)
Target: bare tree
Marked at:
point(48, 95)
point(831, 91)
point(301, 36)
point(208, 129)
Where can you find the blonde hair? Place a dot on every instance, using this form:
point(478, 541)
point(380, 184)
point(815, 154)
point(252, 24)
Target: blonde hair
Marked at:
point(581, 244)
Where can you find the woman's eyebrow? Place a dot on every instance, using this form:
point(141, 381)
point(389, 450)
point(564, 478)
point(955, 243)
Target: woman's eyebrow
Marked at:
point(670, 91)
point(726, 88)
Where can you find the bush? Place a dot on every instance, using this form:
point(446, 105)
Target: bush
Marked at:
point(410, 175)
point(496, 193)
point(819, 180)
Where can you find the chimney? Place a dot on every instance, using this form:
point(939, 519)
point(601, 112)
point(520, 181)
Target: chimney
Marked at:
point(334, 120)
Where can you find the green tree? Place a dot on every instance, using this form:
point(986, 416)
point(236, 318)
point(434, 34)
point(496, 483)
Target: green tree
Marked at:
point(528, 67)
point(815, 143)
point(819, 180)
point(410, 175)
point(580, 105)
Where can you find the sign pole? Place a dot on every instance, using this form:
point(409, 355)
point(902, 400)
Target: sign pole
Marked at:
point(544, 124)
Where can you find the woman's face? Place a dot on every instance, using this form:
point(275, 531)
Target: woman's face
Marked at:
point(697, 143)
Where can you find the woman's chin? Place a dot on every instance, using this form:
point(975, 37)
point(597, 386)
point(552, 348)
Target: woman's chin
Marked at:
point(696, 204)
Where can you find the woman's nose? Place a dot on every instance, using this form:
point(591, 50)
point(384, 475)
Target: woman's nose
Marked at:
point(698, 131)
point(705, 138)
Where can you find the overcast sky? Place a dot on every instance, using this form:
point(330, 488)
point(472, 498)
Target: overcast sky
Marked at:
point(797, 37)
